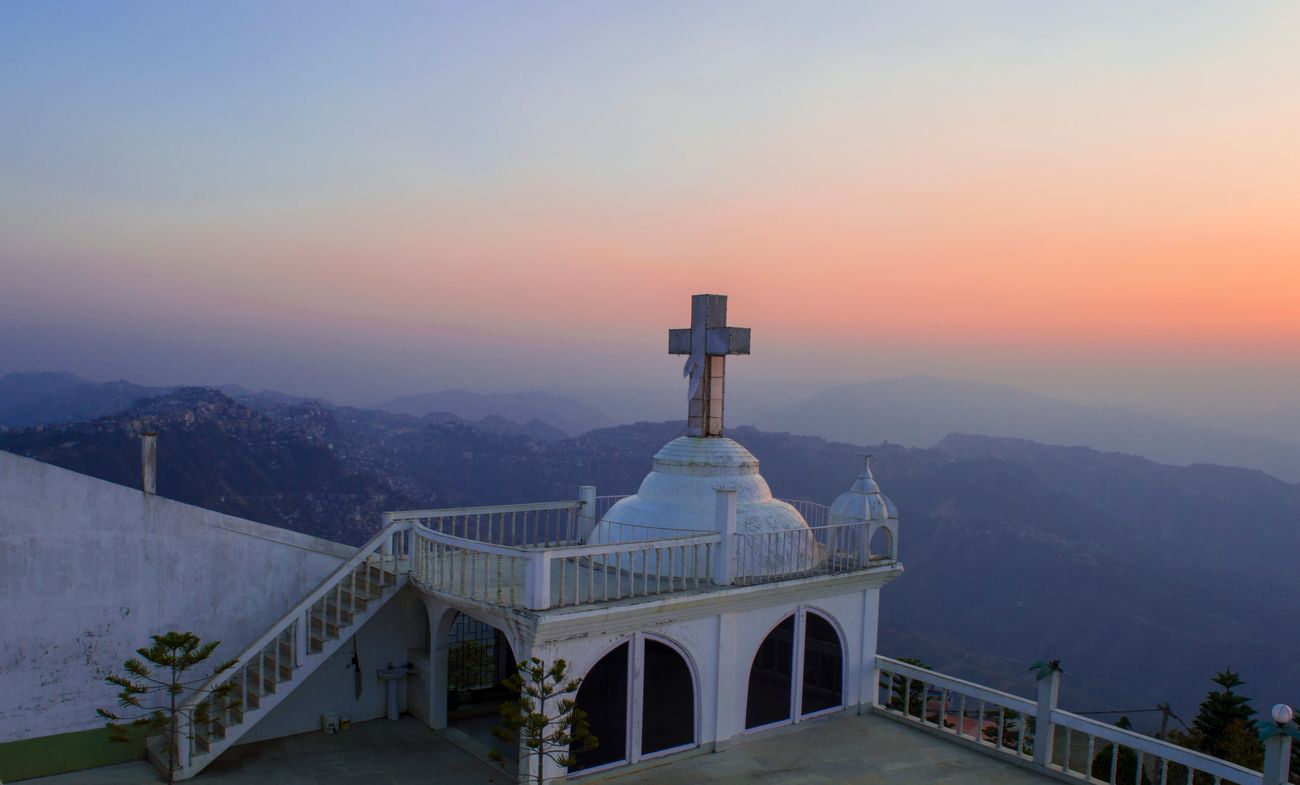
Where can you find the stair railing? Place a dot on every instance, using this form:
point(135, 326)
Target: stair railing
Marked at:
point(389, 549)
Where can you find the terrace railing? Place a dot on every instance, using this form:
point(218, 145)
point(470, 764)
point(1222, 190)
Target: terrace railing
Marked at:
point(1039, 734)
point(814, 513)
point(762, 557)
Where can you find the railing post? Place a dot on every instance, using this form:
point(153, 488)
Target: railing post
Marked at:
point(537, 581)
point(587, 512)
point(1049, 688)
point(1277, 745)
point(724, 559)
point(299, 640)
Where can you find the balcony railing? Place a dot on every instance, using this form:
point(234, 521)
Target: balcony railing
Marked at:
point(555, 554)
point(1038, 733)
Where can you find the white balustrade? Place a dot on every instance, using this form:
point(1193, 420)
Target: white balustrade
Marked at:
point(1080, 748)
point(797, 553)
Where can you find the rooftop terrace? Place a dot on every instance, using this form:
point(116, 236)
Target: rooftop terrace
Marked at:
point(842, 748)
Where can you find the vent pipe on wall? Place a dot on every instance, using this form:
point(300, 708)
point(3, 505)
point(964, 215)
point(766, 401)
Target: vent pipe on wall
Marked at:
point(149, 462)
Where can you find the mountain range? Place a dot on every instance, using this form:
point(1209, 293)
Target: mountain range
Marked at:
point(1143, 578)
point(918, 411)
point(913, 411)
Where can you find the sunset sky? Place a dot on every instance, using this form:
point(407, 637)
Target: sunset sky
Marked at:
point(1097, 201)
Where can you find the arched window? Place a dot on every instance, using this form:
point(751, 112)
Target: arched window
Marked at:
point(881, 545)
point(667, 703)
point(773, 692)
point(823, 666)
point(603, 696)
point(668, 700)
point(771, 678)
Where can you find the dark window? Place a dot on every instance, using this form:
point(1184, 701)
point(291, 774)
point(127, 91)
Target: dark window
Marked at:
point(668, 719)
point(603, 696)
point(770, 679)
point(823, 666)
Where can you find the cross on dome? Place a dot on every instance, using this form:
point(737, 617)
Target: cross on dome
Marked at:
point(707, 342)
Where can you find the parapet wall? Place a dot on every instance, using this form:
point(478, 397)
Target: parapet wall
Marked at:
point(90, 569)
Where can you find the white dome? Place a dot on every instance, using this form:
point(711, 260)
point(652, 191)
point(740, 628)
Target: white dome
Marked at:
point(680, 492)
point(863, 502)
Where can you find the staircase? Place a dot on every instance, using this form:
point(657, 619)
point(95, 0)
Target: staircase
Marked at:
point(275, 664)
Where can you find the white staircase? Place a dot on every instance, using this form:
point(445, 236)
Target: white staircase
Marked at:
point(275, 664)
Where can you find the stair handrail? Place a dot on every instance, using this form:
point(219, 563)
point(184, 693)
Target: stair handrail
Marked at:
point(363, 553)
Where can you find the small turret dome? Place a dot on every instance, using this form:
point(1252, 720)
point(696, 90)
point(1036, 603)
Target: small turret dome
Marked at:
point(865, 504)
point(864, 501)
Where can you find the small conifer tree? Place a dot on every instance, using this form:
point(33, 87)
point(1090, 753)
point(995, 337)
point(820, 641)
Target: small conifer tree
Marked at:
point(1222, 717)
point(150, 697)
point(549, 731)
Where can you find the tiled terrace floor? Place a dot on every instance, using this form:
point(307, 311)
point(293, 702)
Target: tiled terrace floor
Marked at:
point(839, 750)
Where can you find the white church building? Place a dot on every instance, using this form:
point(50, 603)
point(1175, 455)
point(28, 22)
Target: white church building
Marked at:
point(697, 611)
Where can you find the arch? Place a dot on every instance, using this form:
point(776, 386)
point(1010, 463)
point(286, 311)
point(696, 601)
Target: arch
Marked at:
point(604, 697)
point(881, 544)
point(771, 677)
point(479, 658)
point(669, 697)
point(822, 688)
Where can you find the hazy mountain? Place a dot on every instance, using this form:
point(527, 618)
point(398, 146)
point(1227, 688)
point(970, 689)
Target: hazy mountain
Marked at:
point(568, 414)
point(279, 468)
point(46, 397)
point(920, 410)
point(1144, 578)
point(266, 397)
point(1283, 423)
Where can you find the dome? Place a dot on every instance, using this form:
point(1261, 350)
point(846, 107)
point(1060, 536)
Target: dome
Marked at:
point(864, 501)
point(680, 492)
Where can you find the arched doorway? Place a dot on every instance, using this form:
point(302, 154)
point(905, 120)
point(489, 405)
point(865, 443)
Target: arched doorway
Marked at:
point(479, 658)
point(823, 666)
point(604, 697)
point(668, 700)
point(664, 701)
point(806, 643)
point(771, 678)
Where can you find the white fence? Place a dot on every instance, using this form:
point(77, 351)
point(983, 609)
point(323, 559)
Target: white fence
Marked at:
point(1076, 747)
point(762, 557)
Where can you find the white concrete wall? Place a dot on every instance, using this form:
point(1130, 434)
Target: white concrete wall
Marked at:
point(90, 569)
point(399, 626)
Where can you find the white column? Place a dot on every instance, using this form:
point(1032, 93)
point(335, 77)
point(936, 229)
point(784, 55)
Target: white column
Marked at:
point(587, 513)
point(636, 695)
point(537, 581)
point(796, 668)
point(729, 706)
point(440, 620)
point(149, 462)
point(868, 673)
point(1049, 687)
point(724, 560)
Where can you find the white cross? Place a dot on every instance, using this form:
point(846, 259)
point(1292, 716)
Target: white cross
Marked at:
point(707, 342)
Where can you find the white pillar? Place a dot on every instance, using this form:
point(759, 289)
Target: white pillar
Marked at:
point(537, 581)
point(729, 706)
point(869, 674)
point(1049, 688)
point(587, 513)
point(724, 559)
point(149, 462)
